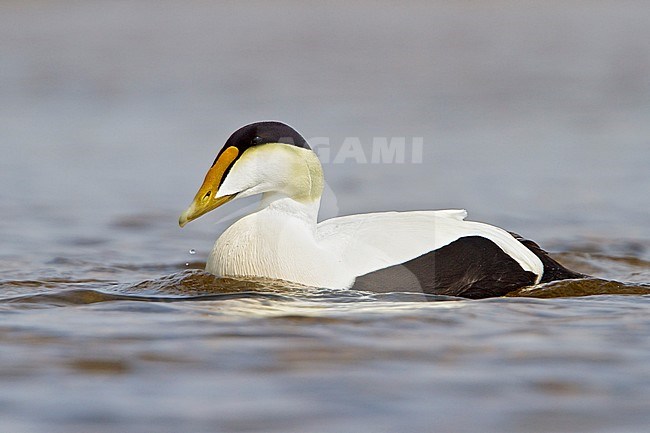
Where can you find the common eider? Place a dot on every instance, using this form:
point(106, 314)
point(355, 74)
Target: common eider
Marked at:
point(434, 252)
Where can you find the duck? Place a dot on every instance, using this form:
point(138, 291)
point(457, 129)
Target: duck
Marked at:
point(436, 252)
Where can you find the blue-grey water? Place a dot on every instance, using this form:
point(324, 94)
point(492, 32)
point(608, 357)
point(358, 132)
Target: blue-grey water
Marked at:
point(535, 116)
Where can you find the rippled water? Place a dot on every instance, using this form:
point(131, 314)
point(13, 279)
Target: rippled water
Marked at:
point(534, 115)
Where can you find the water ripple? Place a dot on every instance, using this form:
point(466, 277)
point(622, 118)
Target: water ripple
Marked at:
point(196, 285)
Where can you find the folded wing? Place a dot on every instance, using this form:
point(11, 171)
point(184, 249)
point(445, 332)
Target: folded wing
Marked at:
point(368, 243)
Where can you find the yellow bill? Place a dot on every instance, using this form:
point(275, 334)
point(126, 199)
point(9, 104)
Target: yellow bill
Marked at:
point(206, 198)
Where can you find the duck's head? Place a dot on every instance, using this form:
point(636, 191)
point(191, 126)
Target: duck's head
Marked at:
point(259, 158)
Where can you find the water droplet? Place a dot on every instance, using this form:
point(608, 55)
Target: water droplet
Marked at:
point(192, 251)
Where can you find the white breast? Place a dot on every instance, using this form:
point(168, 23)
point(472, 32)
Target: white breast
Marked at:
point(277, 245)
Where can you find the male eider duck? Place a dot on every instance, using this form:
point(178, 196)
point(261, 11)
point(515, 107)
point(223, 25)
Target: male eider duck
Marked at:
point(434, 252)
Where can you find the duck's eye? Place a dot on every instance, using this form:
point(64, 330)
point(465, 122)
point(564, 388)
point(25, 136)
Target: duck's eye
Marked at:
point(256, 140)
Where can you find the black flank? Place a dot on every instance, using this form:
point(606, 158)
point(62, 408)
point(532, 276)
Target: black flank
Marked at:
point(471, 267)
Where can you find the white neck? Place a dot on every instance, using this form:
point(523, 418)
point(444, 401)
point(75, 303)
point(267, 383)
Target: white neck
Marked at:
point(287, 207)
